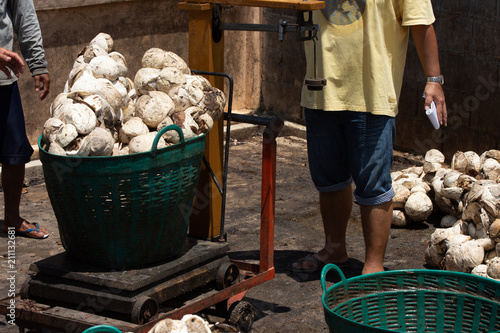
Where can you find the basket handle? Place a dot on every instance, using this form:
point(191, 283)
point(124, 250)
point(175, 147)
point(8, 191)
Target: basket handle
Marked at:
point(325, 271)
point(102, 329)
point(154, 147)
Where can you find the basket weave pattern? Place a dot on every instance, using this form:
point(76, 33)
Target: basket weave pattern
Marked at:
point(413, 301)
point(123, 211)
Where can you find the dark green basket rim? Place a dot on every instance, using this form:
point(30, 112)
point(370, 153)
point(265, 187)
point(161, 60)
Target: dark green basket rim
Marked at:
point(436, 272)
point(344, 284)
point(102, 329)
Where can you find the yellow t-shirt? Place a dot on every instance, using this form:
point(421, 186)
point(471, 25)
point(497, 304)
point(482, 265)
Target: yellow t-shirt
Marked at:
point(361, 52)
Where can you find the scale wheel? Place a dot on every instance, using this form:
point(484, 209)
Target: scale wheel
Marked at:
point(143, 310)
point(227, 275)
point(242, 315)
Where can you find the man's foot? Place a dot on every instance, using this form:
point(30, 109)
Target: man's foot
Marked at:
point(312, 263)
point(376, 268)
point(28, 229)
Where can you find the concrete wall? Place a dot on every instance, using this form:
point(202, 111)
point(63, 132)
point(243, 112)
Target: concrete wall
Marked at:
point(268, 73)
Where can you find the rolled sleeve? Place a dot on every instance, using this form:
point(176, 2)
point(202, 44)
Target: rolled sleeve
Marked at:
point(416, 12)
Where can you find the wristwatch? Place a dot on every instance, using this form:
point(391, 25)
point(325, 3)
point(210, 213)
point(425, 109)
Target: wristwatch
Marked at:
point(439, 79)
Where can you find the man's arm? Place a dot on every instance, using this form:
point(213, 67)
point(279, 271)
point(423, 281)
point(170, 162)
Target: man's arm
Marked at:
point(29, 37)
point(425, 41)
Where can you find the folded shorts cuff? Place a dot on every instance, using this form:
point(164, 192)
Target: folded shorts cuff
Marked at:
point(378, 200)
point(15, 160)
point(336, 187)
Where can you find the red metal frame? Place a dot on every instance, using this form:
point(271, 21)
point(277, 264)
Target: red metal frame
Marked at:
point(254, 274)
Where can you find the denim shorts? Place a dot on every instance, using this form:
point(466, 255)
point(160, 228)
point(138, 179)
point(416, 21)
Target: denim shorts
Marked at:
point(15, 148)
point(345, 146)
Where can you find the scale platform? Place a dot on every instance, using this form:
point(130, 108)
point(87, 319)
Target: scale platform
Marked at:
point(135, 293)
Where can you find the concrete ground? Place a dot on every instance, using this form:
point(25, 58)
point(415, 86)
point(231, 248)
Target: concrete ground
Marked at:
point(288, 303)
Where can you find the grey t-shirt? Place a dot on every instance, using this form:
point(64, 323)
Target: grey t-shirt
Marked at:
point(19, 17)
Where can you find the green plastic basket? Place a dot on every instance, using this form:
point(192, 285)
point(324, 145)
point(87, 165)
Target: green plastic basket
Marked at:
point(102, 329)
point(411, 301)
point(122, 211)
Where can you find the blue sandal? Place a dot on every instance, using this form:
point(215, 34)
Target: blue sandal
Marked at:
point(25, 233)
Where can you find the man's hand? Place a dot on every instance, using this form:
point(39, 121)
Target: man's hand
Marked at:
point(42, 83)
point(425, 41)
point(11, 60)
point(434, 92)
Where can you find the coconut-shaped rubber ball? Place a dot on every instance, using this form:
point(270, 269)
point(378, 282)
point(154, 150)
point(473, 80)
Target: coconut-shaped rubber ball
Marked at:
point(50, 129)
point(494, 268)
point(104, 40)
point(154, 58)
point(473, 253)
point(455, 261)
point(106, 67)
point(398, 218)
point(491, 169)
point(418, 207)
point(132, 128)
point(434, 156)
point(56, 149)
point(170, 77)
point(145, 79)
point(101, 142)
point(402, 193)
point(432, 257)
point(480, 270)
point(153, 107)
point(144, 142)
point(66, 134)
point(82, 117)
point(494, 230)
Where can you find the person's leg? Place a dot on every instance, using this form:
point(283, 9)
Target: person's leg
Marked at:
point(12, 184)
point(335, 208)
point(329, 169)
point(15, 152)
point(376, 221)
point(371, 161)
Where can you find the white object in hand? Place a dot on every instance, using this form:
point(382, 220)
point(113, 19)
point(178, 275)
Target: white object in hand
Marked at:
point(432, 114)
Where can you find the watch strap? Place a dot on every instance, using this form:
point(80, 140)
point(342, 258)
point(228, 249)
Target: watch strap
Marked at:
point(438, 79)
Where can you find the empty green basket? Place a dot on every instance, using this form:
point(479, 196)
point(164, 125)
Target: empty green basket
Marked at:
point(411, 301)
point(123, 211)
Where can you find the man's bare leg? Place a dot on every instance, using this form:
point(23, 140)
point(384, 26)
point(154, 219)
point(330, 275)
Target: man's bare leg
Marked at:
point(376, 221)
point(12, 184)
point(335, 208)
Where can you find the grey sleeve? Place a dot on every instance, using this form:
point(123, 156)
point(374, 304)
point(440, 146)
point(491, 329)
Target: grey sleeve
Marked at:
point(29, 35)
